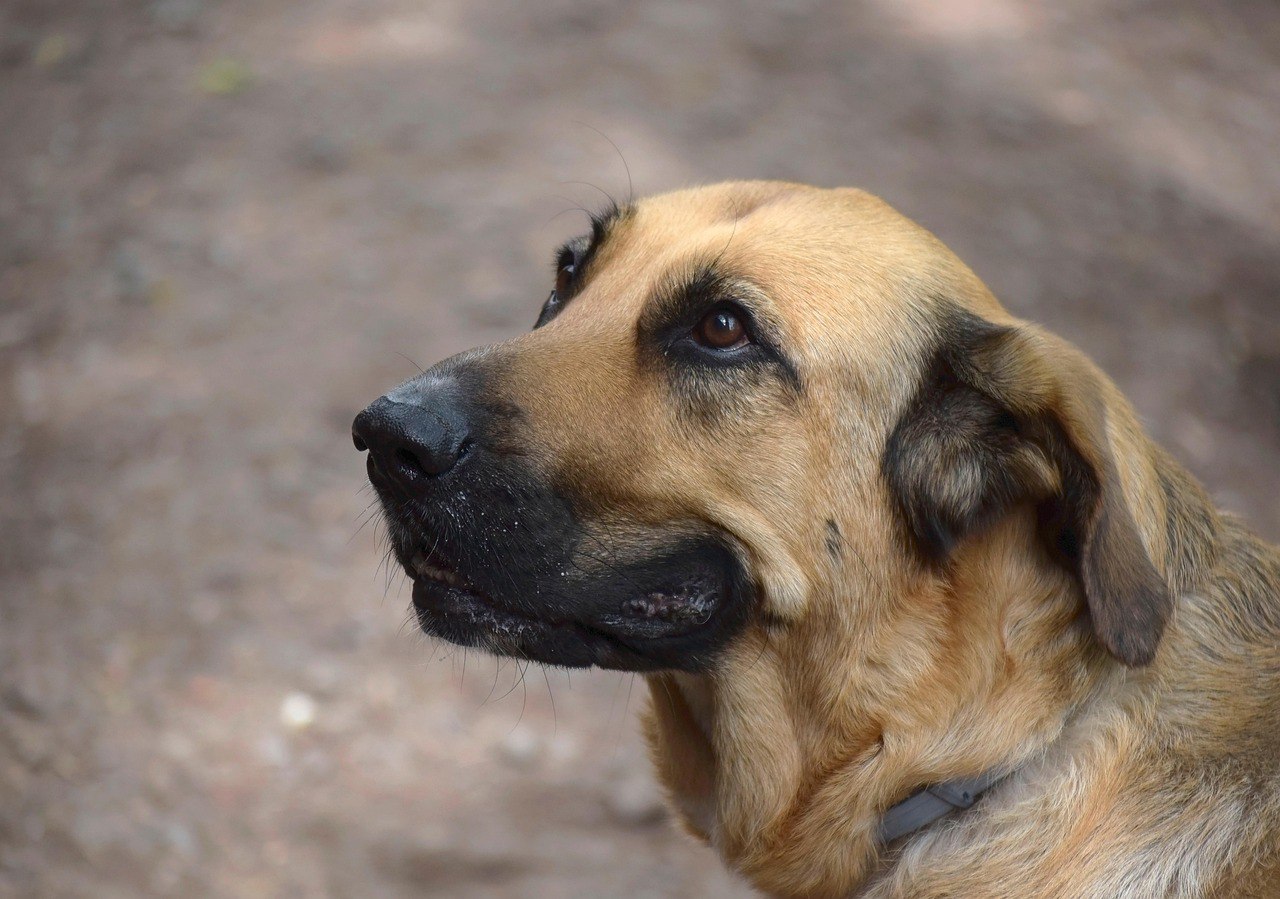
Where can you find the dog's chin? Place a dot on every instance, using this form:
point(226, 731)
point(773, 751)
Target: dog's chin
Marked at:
point(678, 624)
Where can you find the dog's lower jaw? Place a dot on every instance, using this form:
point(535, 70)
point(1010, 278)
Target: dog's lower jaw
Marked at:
point(678, 729)
point(794, 807)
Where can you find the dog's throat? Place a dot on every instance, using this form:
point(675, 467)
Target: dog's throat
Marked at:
point(936, 801)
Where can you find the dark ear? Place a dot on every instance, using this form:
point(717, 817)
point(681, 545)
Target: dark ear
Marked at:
point(1004, 416)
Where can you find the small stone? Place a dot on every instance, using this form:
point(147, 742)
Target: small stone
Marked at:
point(273, 751)
point(177, 746)
point(225, 78)
point(634, 801)
point(181, 839)
point(324, 678)
point(298, 711)
point(52, 50)
point(162, 293)
point(22, 701)
point(520, 748)
point(563, 748)
point(1074, 107)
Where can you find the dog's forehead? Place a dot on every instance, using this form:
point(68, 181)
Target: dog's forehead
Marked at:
point(729, 202)
point(735, 221)
point(819, 255)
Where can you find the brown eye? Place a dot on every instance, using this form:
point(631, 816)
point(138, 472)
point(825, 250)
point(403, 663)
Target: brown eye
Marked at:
point(721, 329)
point(564, 278)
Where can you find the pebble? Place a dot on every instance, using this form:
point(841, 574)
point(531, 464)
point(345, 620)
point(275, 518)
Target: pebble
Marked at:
point(520, 748)
point(635, 801)
point(324, 678)
point(298, 711)
point(273, 750)
point(225, 77)
point(22, 701)
point(51, 51)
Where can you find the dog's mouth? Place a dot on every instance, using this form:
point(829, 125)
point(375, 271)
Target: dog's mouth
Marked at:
point(672, 621)
point(427, 568)
point(446, 601)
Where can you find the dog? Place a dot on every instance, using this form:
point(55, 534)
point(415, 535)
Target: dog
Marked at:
point(922, 609)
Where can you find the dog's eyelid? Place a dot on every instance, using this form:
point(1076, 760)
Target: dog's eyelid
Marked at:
point(748, 299)
point(761, 327)
point(764, 331)
point(551, 306)
point(568, 254)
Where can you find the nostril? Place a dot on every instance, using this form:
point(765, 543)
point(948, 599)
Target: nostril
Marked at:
point(409, 462)
point(410, 443)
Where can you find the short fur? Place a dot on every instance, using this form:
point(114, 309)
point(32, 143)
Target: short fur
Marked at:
point(965, 555)
point(1035, 501)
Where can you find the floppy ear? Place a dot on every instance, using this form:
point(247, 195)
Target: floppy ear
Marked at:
point(1005, 416)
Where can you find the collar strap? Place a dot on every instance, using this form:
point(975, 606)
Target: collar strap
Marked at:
point(928, 805)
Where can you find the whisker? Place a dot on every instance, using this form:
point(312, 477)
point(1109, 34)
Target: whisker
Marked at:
point(497, 669)
point(574, 208)
point(622, 722)
point(631, 193)
point(608, 196)
point(420, 369)
point(555, 721)
point(524, 696)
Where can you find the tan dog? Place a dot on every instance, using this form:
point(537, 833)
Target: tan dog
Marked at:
point(868, 533)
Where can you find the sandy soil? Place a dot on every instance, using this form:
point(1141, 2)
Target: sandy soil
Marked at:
point(225, 226)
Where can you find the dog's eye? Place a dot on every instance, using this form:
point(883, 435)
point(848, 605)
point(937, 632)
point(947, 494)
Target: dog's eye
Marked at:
point(566, 266)
point(721, 329)
point(564, 278)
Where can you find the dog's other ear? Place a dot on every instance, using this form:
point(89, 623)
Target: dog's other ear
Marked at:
point(1007, 415)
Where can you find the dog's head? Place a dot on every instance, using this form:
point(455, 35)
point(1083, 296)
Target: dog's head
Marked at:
point(733, 396)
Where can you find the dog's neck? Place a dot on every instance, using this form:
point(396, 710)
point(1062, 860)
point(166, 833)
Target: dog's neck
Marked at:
point(788, 770)
point(934, 802)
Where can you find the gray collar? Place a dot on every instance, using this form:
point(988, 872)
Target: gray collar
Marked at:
point(928, 805)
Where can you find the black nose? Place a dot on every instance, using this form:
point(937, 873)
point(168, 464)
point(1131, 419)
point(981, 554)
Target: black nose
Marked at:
point(412, 442)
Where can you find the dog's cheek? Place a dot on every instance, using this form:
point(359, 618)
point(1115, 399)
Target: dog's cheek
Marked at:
point(710, 400)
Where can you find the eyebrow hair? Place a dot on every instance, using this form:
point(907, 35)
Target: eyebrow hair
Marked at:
point(683, 294)
point(682, 298)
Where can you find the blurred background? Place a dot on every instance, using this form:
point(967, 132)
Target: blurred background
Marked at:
point(226, 225)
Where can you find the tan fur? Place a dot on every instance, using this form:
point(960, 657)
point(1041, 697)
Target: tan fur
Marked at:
point(865, 673)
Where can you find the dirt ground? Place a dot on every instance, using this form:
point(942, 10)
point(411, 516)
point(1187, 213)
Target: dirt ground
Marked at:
point(226, 225)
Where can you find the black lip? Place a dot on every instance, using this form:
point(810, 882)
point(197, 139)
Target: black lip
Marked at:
point(463, 614)
point(467, 618)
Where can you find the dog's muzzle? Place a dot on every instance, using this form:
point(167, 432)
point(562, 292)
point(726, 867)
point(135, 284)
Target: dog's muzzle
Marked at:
point(503, 559)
